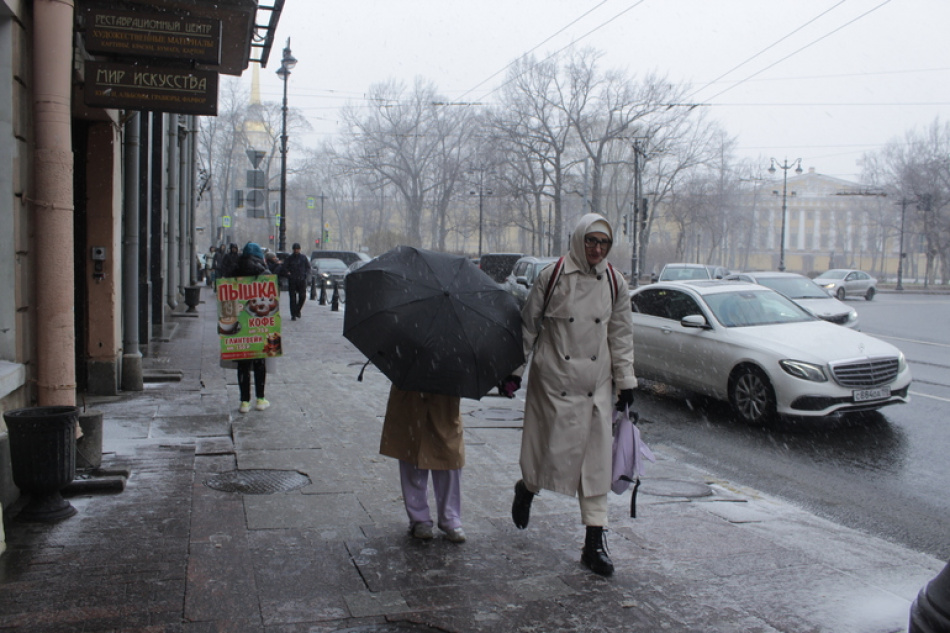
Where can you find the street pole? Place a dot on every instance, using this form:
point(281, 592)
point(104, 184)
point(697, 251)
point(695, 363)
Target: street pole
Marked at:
point(322, 225)
point(287, 62)
point(635, 228)
point(900, 253)
point(481, 194)
point(480, 219)
point(797, 163)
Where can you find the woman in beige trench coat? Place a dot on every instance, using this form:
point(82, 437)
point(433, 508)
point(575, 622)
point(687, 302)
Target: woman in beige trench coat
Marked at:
point(424, 432)
point(581, 346)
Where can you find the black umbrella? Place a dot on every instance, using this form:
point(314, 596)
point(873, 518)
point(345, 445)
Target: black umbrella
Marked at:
point(433, 322)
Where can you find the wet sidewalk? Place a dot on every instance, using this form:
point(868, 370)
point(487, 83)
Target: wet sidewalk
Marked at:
point(174, 552)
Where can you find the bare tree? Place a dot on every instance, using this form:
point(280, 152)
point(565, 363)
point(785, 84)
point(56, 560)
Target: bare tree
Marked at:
point(221, 153)
point(536, 134)
point(607, 108)
point(685, 143)
point(917, 171)
point(411, 141)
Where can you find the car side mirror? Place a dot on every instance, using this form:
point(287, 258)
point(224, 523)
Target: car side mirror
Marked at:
point(695, 321)
point(522, 281)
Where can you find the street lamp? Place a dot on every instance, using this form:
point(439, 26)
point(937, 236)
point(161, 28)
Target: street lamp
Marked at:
point(287, 64)
point(797, 164)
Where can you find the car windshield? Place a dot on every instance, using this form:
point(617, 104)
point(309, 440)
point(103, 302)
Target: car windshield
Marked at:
point(794, 287)
point(750, 307)
point(681, 273)
point(330, 265)
point(832, 274)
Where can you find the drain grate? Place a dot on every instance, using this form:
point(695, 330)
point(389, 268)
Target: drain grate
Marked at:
point(258, 481)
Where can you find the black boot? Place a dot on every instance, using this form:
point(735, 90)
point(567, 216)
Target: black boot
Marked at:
point(595, 556)
point(521, 507)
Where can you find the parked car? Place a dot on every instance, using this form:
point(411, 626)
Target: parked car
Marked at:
point(681, 272)
point(522, 276)
point(348, 257)
point(326, 272)
point(756, 349)
point(845, 282)
point(805, 293)
point(498, 265)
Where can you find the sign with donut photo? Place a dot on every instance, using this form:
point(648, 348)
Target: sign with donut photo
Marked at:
point(249, 317)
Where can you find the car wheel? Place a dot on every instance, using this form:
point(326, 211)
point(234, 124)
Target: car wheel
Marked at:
point(751, 395)
point(840, 294)
point(870, 294)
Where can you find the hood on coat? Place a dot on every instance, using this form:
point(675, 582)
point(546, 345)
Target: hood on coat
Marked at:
point(578, 254)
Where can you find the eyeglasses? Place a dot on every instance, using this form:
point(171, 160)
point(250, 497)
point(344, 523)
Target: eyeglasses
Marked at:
point(591, 242)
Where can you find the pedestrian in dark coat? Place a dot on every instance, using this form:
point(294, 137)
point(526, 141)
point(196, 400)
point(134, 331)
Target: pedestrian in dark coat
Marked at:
point(229, 260)
point(296, 268)
point(273, 263)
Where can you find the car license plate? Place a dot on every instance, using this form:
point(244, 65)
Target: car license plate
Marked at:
point(864, 395)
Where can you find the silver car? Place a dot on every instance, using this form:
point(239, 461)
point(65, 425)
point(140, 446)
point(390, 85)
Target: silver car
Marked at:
point(845, 282)
point(761, 352)
point(522, 276)
point(805, 293)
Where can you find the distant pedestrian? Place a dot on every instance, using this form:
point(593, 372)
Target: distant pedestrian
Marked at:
point(577, 329)
point(424, 432)
point(249, 264)
point(229, 260)
point(296, 268)
point(273, 262)
point(210, 266)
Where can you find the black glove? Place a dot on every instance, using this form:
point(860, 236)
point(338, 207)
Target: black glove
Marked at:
point(509, 386)
point(625, 399)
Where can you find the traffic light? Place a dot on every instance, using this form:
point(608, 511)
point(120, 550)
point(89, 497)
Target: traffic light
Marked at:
point(255, 193)
point(271, 239)
point(256, 185)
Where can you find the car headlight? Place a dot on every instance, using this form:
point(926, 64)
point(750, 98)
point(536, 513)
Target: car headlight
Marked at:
point(901, 362)
point(803, 370)
point(852, 316)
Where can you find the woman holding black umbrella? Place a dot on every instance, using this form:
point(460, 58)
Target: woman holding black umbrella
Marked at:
point(576, 324)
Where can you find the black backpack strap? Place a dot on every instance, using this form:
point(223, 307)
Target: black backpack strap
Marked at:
point(614, 284)
point(551, 283)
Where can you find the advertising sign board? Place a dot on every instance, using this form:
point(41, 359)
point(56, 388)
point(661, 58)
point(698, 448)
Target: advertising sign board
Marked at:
point(249, 317)
point(142, 87)
point(145, 34)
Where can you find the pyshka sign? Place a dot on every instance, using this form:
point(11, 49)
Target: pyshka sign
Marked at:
point(249, 317)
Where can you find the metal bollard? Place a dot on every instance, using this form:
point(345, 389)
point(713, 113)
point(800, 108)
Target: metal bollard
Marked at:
point(323, 294)
point(335, 300)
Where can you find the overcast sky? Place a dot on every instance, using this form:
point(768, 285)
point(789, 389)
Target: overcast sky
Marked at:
point(821, 80)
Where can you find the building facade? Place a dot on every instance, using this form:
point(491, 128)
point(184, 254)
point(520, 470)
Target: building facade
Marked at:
point(97, 183)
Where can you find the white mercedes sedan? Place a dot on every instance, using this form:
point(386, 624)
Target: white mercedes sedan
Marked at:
point(756, 349)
